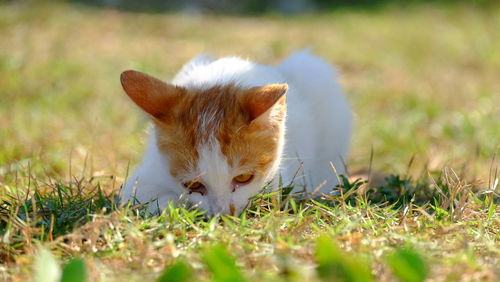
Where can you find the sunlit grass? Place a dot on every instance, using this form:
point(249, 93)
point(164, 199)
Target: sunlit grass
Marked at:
point(423, 83)
point(454, 230)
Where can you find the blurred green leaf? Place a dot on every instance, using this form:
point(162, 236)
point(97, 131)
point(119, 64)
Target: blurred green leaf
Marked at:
point(336, 265)
point(407, 265)
point(74, 271)
point(46, 267)
point(177, 272)
point(222, 265)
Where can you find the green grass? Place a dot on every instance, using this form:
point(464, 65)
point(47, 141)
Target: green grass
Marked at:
point(423, 82)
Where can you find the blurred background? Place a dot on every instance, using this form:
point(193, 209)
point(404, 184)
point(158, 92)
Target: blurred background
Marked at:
point(252, 7)
point(423, 77)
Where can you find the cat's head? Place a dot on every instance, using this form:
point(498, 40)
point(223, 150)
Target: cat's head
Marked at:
point(222, 143)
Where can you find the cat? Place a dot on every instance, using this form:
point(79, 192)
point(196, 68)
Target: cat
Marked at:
point(225, 128)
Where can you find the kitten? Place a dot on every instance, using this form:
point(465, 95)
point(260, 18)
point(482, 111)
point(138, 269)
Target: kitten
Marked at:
point(219, 131)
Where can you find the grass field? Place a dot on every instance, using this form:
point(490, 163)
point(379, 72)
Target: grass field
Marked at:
point(423, 81)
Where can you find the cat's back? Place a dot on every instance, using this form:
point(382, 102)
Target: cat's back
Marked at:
point(318, 121)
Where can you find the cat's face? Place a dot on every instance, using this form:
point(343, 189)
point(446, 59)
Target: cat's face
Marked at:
point(222, 143)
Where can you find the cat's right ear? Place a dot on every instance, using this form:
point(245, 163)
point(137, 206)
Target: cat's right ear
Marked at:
point(259, 100)
point(151, 94)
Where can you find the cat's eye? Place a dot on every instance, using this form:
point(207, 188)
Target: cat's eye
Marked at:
point(243, 178)
point(195, 187)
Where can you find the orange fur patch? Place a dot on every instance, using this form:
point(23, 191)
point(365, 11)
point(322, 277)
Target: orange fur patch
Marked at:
point(248, 134)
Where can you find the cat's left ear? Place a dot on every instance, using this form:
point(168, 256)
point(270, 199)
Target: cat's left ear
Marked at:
point(258, 101)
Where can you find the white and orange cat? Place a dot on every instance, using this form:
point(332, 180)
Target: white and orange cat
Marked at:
point(225, 128)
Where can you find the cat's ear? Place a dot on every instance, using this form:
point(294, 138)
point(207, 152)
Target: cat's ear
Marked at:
point(259, 100)
point(151, 94)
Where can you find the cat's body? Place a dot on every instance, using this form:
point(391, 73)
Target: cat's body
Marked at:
point(235, 150)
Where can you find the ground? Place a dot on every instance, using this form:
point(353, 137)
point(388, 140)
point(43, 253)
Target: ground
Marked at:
point(423, 82)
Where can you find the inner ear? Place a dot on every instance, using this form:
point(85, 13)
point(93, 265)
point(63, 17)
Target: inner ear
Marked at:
point(258, 100)
point(150, 94)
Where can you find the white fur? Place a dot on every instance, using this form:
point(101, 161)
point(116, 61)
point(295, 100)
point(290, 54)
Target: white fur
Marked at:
point(317, 133)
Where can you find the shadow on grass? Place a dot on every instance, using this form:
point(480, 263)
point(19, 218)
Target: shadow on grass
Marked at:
point(55, 212)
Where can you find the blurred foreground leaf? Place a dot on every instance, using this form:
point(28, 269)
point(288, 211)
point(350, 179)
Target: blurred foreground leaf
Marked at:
point(74, 271)
point(336, 265)
point(222, 265)
point(407, 265)
point(177, 272)
point(46, 267)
